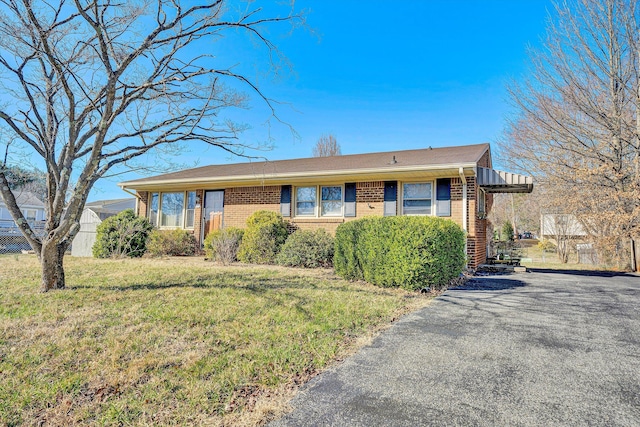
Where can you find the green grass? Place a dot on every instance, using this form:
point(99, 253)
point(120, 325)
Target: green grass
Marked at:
point(173, 341)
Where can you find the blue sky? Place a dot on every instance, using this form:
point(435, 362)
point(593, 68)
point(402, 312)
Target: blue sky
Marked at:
point(385, 76)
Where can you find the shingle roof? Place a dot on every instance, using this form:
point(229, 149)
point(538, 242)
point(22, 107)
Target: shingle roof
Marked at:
point(384, 161)
point(26, 198)
point(104, 204)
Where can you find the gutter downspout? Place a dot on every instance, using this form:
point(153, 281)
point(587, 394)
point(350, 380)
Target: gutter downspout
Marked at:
point(464, 207)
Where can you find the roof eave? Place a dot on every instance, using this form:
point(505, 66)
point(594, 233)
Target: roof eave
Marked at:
point(310, 177)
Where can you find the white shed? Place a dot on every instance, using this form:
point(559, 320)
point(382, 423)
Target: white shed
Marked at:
point(92, 215)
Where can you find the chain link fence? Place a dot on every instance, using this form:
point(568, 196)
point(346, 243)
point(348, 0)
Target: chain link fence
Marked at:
point(11, 239)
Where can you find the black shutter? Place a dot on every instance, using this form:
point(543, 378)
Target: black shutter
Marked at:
point(285, 201)
point(350, 199)
point(390, 198)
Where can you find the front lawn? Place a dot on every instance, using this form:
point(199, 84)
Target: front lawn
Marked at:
point(174, 341)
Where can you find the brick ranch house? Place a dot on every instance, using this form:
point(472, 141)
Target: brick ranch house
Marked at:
point(324, 192)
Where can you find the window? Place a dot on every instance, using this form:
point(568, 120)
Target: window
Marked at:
point(443, 197)
point(306, 201)
point(416, 198)
point(191, 209)
point(30, 214)
point(153, 209)
point(171, 207)
point(331, 203)
point(173, 210)
point(482, 203)
point(329, 198)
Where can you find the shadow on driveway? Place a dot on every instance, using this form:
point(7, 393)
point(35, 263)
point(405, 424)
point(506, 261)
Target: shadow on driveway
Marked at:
point(589, 273)
point(490, 283)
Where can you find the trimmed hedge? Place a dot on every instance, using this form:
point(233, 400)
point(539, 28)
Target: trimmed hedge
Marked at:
point(265, 234)
point(171, 243)
point(410, 252)
point(309, 249)
point(124, 234)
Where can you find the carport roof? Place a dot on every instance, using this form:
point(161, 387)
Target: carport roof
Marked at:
point(495, 181)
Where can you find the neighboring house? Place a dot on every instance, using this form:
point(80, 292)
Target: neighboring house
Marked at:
point(92, 215)
point(31, 206)
point(33, 210)
point(553, 226)
point(324, 192)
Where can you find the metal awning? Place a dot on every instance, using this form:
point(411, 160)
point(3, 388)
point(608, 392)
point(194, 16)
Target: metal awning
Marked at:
point(494, 181)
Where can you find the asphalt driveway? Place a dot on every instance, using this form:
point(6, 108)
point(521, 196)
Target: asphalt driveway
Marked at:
point(533, 349)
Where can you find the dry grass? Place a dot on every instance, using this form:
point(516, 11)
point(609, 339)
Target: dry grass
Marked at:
point(549, 260)
point(174, 341)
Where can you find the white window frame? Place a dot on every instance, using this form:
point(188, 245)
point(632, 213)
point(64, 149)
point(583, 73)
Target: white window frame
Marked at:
point(433, 198)
point(317, 211)
point(185, 210)
point(315, 206)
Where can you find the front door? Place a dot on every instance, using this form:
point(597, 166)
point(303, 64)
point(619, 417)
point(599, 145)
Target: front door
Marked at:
point(213, 209)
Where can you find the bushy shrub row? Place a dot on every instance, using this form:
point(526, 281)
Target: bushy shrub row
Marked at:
point(409, 251)
point(266, 240)
point(126, 234)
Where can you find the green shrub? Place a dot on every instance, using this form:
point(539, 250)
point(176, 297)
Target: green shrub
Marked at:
point(171, 242)
point(409, 252)
point(310, 249)
point(222, 245)
point(124, 234)
point(266, 232)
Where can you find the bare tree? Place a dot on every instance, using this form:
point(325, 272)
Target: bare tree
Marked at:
point(577, 126)
point(326, 146)
point(96, 85)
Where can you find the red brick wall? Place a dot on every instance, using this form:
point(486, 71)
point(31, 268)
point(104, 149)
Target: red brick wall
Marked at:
point(485, 160)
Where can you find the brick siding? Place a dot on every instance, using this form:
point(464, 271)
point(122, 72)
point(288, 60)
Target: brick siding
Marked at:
point(241, 202)
point(143, 200)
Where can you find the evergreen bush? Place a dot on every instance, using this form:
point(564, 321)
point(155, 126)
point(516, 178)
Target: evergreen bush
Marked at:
point(122, 235)
point(265, 234)
point(506, 233)
point(309, 249)
point(410, 252)
point(171, 243)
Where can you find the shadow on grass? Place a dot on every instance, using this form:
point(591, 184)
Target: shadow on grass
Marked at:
point(248, 282)
point(588, 273)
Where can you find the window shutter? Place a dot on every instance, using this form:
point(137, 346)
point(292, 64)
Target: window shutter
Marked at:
point(285, 201)
point(390, 198)
point(443, 197)
point(350, 199)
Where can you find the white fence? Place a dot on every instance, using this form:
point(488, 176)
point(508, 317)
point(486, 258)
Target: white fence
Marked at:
point(12, 240)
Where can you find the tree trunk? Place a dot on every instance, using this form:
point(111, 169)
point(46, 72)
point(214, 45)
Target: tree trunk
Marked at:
point(51, 259)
